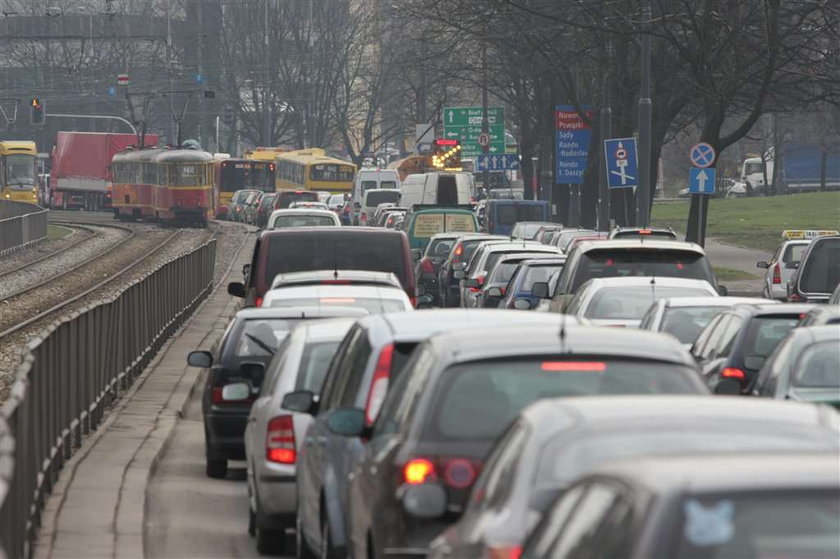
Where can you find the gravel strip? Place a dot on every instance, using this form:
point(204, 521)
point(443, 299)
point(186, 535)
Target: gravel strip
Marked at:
point(21, 258)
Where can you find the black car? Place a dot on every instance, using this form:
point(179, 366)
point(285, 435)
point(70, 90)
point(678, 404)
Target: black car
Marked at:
point(735, 343)
point(818, 274)
point(428, 266)
point(456, 395)
point(236, 366)
point(449, 292)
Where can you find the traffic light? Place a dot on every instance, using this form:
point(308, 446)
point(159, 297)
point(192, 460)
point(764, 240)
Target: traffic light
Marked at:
point(37, 112)
point(446, 154)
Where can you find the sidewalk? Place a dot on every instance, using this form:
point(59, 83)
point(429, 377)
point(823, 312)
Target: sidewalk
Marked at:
point(97, 507)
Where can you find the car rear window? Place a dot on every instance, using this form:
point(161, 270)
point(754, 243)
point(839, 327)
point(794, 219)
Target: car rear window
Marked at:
point(428, 224)
point(314, 364)
point(370, 304)
point(302, 221)
point(818, 367)
point(387, 184)
point(440, 247)
point(373, 199)
point(302, 252)
point(686, 323)
point(765, 332)
point(286, 198)
point(652, 234)
point(657, 263)
point(794, 252)
point(632, 302)
point(821, 272)
point(509, 214)
point(477, 400)
point(258, 334)
point(527, 230)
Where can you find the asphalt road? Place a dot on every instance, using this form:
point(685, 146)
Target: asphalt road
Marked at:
point(735, 258)
point(189, 514)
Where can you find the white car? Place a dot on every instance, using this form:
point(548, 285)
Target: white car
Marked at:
point(685, 317)
point(623, 301)
point(786, 260)
point(274, 436)
point(300, 217)
point(309, 205)
point(373, 298)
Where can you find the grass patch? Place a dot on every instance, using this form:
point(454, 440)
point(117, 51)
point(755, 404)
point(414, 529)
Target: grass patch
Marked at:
point(729, 274)
point(57, 231)
point(756, 222)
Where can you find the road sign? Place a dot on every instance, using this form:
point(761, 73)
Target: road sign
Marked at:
point(484, 139)
point(702, 181)
point(122, 79)
point(497, 163)
point(702, 155)
point(472, 116)
point(464, 124)
point(622, 162)
point(572, 137)
point(112, 91)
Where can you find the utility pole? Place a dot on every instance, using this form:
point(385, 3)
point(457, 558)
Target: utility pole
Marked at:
point(606, 134)
point(266, 127)
point(645, 127)
point(485, 119)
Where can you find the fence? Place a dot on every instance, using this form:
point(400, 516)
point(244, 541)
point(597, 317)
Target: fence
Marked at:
point(20, 224)
point(70, 376)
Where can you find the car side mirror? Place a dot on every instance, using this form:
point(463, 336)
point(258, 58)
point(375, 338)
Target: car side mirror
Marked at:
point(201, 359)
point(246, 269)
point(236, 289)
point(723, 290)
point(540, 289)
point(254, 371)
point(762, 264)
point(425, 501)
point(494, 292)
point(522, 304)
point(459, 274)
point(472, 282)
point(728, 387)
point(303, 401)
point(347, 422)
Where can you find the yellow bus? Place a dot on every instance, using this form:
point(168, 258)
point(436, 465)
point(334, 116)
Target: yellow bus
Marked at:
point(313, 169)
point(268, 154)
point(18, 180)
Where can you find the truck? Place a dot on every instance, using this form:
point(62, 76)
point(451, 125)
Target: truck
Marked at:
point(801, 170)
point(81, 168)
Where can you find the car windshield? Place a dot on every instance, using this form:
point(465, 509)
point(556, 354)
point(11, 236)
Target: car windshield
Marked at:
point(632, 302)
point(302, 221)
point(286, 198)
point(766, 524)
point(686, 323)
point(373, 199)
point(477, 400)
point(237, 174)
point(821, 272)
point(765, 332)
point(371, 304)
point(657, 263)
point(313, 365)
point(260, 334)
point(818, 366)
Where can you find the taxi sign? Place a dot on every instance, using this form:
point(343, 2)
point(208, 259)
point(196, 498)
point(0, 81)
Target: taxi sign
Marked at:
point(791, 234)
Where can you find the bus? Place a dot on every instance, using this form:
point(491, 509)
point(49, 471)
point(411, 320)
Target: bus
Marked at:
point(261, 153)
point(240, 174)
point(18, 181)
point(313, 169)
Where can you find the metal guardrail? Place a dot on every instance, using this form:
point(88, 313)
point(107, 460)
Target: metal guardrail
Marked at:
point(72, 373)
point(20, 225)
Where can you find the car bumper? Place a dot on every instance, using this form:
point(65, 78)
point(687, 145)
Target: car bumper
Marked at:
point(277, 491)
point(225, 435)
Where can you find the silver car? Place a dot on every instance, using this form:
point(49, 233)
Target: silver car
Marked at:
point(781, 267)
point(273, 436)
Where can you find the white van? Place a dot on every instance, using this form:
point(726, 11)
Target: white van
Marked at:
point(449, 189)
point(368, 179)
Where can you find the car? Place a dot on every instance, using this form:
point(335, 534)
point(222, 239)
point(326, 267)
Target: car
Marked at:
point(235, 368)
point(335, 202)
point(264, 209)
point(630, 257)
point(494, 287)
point(821, 315)
point(697, 506)
point(455, 396)
point(685, 317)
point(379, 211)
point(368, 202)
point(783, 264)
point(311, 205)
point(561, 239)
point(735, 343)
point(623, 301)
point(485, 258)
point(463, 249)
point(324, 248)
point(335, 277)
point(527, 230)
point(273, 437)
point(818, 274)
point(302, 217)
point(734, 188)
point(237, 205)
point(642, 233)
point(249, 207)
point(574, 241)
point(501, 216)
point(428, 265)
point(423, 222)
point(518, 293)
point(805, 366)
point(369, 359)
point(557, 440)
point(372, 298)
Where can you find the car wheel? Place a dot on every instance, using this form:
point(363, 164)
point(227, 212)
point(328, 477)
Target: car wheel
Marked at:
point(270, 542)
point(216, 468)
point(302, 550)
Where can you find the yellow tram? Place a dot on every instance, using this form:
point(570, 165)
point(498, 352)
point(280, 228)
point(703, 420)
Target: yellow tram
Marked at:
point(18, 180)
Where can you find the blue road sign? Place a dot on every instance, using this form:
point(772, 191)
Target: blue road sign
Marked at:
point(702, 155)
point(622, 162)
point(199, 78)
point(497, 163)
point(572, 137)
point(702, 181)
point(112, 91)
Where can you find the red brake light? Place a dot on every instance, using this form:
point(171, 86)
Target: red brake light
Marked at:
point(777, 274)
point(459, 250)
point(258, 302)
point(413, 301)
point(280, 440)
point(379, 384)
point(644, 231)
point(609, 262)
point(426, 266)
point(504, 552)
point(576, 366)
point(337, 300)
point(733, 372)
point(418, 470)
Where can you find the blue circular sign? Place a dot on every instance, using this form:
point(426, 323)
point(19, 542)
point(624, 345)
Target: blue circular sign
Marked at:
point(702, 155)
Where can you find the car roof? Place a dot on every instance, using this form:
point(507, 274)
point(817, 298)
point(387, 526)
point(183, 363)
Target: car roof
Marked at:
point(821, 333)
point(452, 235)
point(329, 230)
point(476, 344)
point(650, 281)
point(635, 244)
point(522, 256)
point(302, 211)
point(298, 312)
point(343, 290)
point(338, 276)
point(763, 309)
point(519, 245)
point(547, 261)
point(715, 301)
point(325, 330)
point(740, 472)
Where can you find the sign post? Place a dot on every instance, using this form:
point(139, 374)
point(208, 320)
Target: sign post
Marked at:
point(702, 179)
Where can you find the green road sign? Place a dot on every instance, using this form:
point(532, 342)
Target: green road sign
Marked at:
point(471, 116)
point(464, 124)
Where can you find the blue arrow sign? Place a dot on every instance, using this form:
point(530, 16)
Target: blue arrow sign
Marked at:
point(497, 163)
point(112, 91)
point(622, 162)
point(702, 181)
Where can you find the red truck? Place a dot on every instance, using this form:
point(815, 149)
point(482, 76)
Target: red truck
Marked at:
point(81, 168)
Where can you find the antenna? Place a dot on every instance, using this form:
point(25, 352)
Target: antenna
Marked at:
point(562, 333)
point(335, 260)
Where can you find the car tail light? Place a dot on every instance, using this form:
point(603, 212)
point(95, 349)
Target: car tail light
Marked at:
point(280, 440)
point(574, 366)
point(258, 302)
point(504, 552)
point(777, 274)
point(379, 384)
point(733, 373)
point(364, 217)
point(459, 250)
point(795, 298)
point(419, 470)
point(413, 301)
point(459, 473)
point(426, 266)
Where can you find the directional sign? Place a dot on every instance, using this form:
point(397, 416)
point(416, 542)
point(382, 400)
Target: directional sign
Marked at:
point(464, 124)
point(122, 79)
point(702, 155)
point(622, 162)
point(702, 181)
point(472, 116)
point(497, 163)
point(572, 137)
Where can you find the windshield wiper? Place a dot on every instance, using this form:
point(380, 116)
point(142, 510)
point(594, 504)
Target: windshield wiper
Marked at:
point(260, 343)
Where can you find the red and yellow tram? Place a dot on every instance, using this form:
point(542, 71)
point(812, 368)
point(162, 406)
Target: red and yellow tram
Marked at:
point(172, 185)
